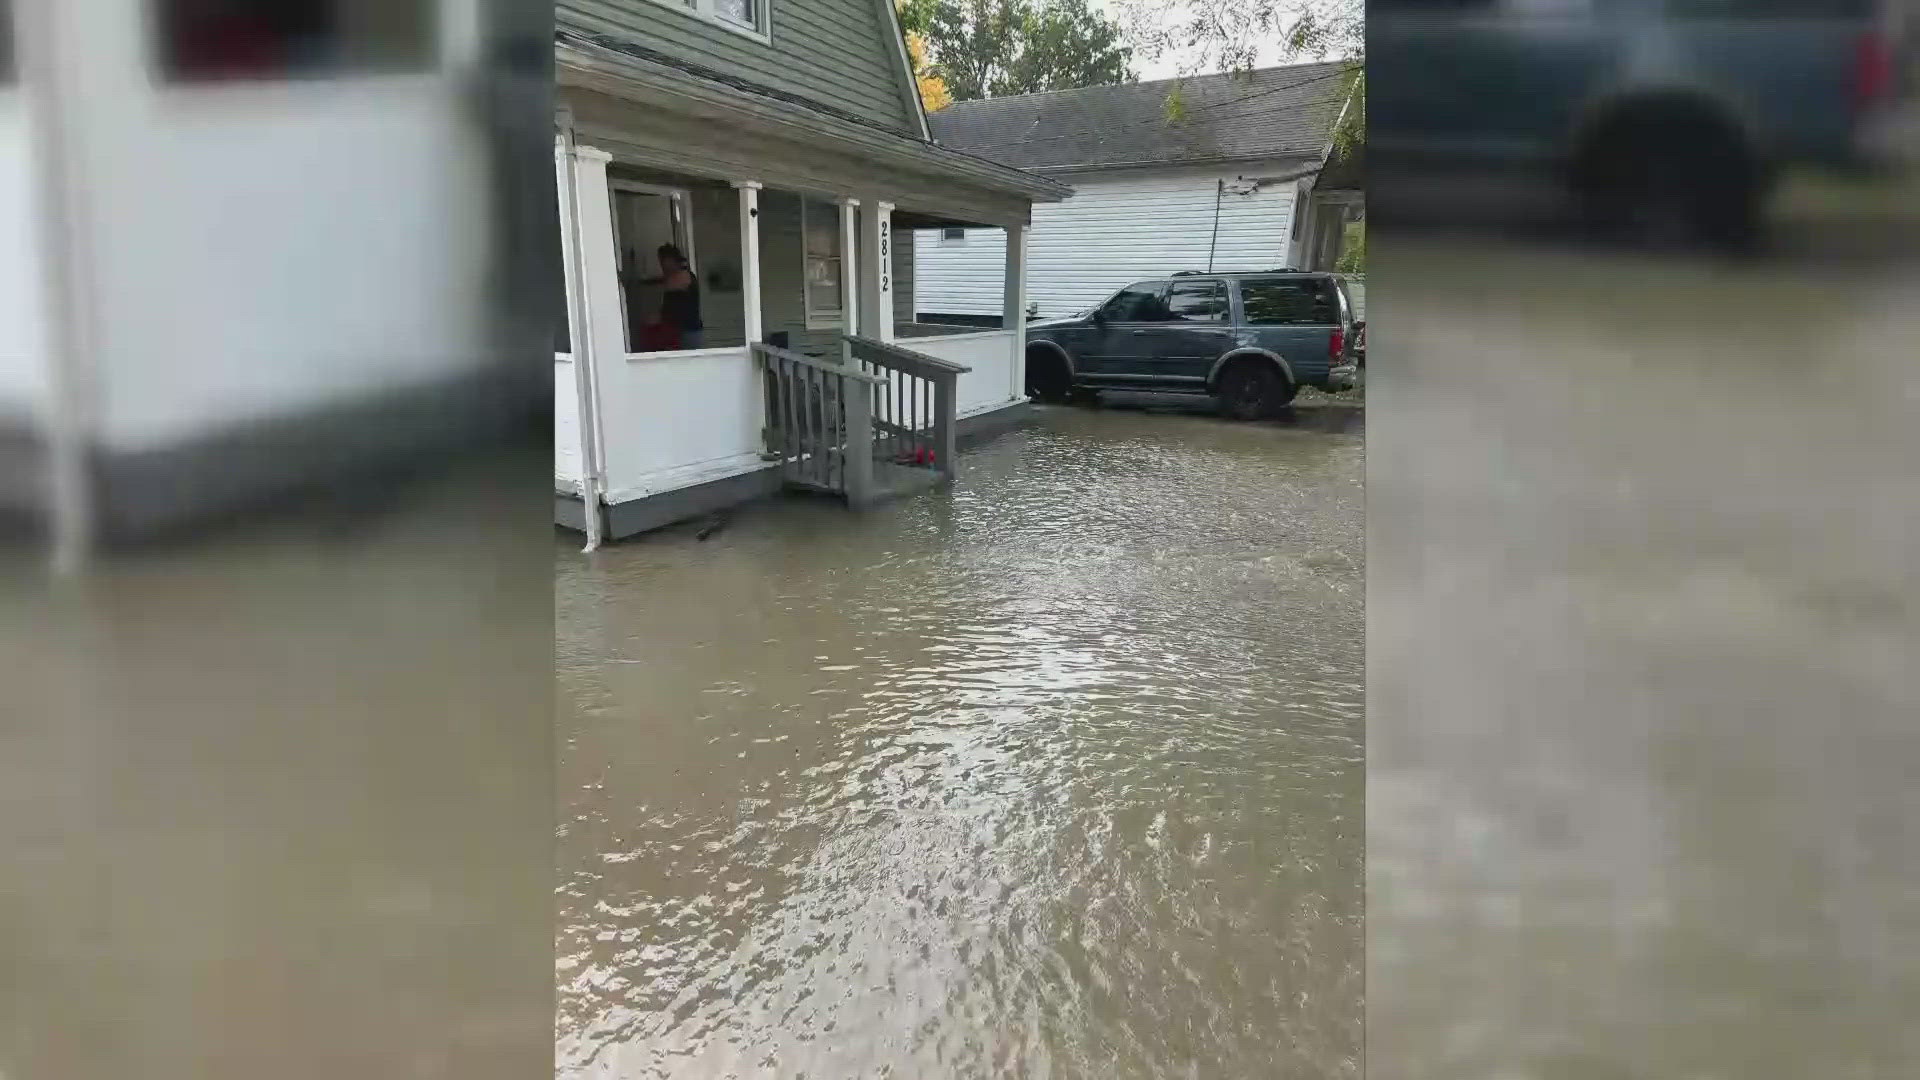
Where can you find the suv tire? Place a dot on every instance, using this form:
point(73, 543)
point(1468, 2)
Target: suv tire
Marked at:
point(1253, 390)
point(1674, 172)
point(1048, 378)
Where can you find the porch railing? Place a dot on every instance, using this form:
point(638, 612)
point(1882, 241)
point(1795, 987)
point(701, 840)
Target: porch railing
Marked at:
point(914, 407)
point(878, 424)
point(819, 423)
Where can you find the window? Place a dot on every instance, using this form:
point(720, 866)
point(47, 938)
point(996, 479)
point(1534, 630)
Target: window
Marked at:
point(953, 234)
point(1197, 301)
point(226, 40)
point(820, 225)
point(1139, 302)
point(746, 16)
point(1290, 302)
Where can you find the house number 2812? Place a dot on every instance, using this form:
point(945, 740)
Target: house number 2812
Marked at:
point(886, 256)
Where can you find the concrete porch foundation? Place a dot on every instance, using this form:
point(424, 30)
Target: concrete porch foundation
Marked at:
point(671, 507)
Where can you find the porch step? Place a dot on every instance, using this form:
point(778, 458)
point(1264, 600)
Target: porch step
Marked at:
point(891, 481)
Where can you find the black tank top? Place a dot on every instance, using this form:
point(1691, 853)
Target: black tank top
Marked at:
point(681, 307)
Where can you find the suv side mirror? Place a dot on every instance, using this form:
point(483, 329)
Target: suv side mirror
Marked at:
point(1099, 316)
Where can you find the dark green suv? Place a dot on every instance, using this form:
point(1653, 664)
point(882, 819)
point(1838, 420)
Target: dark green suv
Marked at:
point(1252, 340)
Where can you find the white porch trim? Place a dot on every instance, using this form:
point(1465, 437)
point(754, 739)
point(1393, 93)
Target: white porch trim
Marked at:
point(876, 272)
point(849, 262)
point(751, 316)
point(1013, 317)
point(586, 216)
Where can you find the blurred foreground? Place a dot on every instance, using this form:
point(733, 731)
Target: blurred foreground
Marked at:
point(1643, 608)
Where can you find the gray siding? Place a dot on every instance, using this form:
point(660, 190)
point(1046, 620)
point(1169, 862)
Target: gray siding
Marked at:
point(782, 297)
point(902, 277)
point(836, 52)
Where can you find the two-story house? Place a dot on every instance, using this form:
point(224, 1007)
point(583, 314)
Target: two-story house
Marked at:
point(780, 145)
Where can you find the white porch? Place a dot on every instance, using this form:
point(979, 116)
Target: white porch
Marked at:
point(660, 422)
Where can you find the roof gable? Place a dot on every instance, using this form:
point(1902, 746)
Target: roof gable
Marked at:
point(1271, 112)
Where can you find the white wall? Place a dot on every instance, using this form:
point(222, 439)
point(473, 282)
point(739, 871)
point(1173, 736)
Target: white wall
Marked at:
point(23, 359)
point(566, 427)
point(1118, 227)
point(264, 249)
point(990, 383)
point(672, 420)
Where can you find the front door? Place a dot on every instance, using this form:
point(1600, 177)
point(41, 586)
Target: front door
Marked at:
point(1120, 341)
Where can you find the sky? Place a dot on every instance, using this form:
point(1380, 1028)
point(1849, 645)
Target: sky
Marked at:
point(1168, 66)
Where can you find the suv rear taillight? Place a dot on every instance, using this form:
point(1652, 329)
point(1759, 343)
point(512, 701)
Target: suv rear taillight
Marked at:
point(1872, 71)
point(1337, 344)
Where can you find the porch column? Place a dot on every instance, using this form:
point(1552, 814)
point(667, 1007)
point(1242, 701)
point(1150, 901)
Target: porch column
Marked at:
point(876, 272)
point(596, 262)
point(849, 281)
point(750, 258)
point(1013, 313)
point(593, 304)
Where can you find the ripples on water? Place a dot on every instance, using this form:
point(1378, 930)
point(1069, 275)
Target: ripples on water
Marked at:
point(1055, 774)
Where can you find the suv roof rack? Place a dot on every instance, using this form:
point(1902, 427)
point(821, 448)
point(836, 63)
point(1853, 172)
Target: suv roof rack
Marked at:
point(1223, 273)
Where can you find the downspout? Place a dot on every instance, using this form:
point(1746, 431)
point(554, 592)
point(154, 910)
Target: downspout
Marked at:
point(580, 333)
point(1219, 189)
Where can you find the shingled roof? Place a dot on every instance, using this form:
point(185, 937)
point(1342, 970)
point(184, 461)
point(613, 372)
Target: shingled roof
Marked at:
point(1271, 112)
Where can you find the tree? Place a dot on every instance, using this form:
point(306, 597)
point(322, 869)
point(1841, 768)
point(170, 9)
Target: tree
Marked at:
point(992, 48)
point(1353, 252)
point(934, 94)
point(1228, 35)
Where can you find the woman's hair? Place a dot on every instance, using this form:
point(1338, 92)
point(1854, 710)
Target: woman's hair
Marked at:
point(669, 251)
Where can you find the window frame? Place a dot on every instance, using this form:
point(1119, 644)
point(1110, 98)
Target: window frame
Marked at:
point(1159, 292)
point(822, 319)
point(761, 30)
point(1220, 290)
point(1246, 317)
point(946, 238)
point(680, 205)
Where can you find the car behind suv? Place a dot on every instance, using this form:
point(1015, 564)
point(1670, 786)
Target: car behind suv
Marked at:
point(1250, 339)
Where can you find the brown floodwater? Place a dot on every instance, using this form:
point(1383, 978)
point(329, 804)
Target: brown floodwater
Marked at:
point(1057, 773)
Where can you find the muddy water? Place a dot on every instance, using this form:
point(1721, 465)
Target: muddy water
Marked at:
point(1642, 632)
point(1058, 773)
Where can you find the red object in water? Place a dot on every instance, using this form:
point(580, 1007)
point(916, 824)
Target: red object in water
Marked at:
point(919, 455)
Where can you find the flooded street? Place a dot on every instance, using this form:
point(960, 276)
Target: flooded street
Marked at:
point(1056, 774)
point(1642, 637)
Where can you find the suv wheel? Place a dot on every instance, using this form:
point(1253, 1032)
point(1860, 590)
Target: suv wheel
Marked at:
point(1665, 176)
point(1048, 378)
point(1253, 390)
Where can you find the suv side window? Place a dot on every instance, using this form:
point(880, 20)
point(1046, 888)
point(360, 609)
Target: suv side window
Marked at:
point(1290, 302)
point(1197, 301)
point(1138, 302)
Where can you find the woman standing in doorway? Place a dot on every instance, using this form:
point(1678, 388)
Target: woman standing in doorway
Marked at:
point(680, 306)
